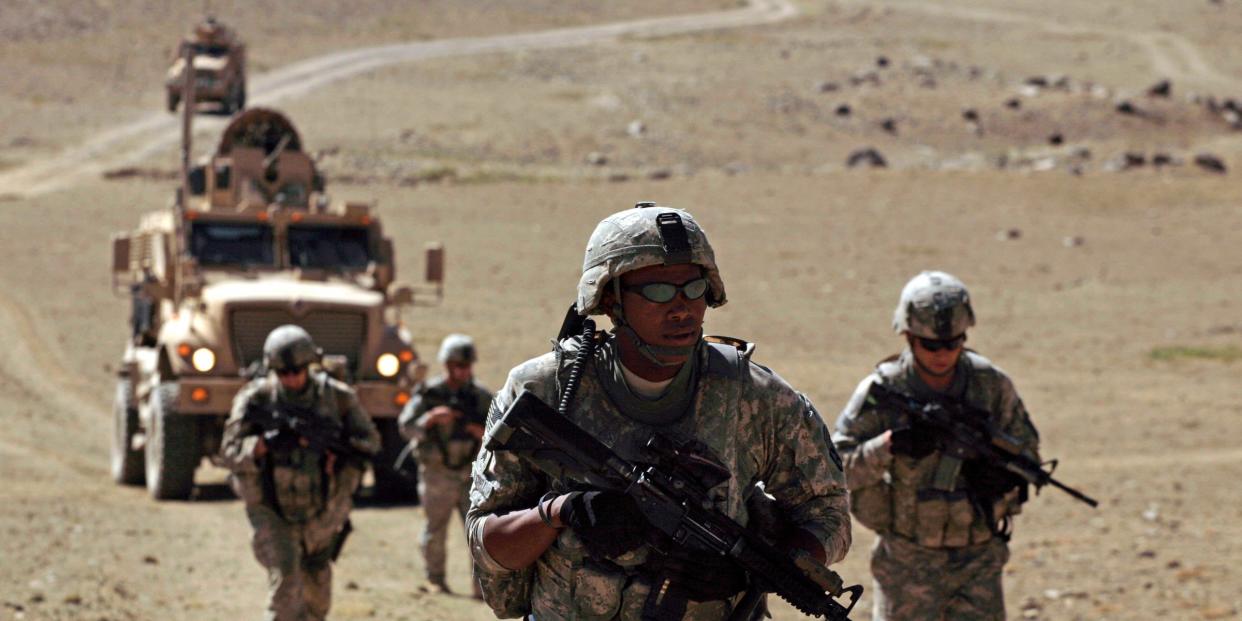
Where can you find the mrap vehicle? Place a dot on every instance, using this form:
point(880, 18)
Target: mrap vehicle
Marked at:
point(251, 243)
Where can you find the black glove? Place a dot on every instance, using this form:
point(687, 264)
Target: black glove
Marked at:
point(915, 441)
point(698, 575)
point(608, 523)
point(990, 483)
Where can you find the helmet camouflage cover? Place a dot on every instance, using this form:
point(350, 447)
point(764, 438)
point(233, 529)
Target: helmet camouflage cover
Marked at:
point(641, 237)
point(934, 305)
point(458, 348)
point(289, 347)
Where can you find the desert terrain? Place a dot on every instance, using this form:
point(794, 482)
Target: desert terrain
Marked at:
point(1023, 153)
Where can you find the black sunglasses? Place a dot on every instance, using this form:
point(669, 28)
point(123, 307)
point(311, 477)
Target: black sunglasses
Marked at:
point(661, 292)
point(939, 344)
point(288, 371)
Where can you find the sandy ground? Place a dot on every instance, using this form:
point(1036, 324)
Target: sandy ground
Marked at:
point(1110, 297)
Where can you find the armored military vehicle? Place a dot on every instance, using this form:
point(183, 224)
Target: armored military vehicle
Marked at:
point(219, 61)
point(253, 242)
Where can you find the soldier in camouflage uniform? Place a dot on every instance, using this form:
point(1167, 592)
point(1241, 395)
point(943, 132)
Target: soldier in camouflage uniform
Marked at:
point(941, 547)
point(297, 499)
point(560, 550)
point(444, 422)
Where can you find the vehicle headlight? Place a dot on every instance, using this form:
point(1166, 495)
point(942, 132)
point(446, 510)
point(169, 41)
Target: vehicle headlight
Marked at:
point(203, 360)
point(388, 365)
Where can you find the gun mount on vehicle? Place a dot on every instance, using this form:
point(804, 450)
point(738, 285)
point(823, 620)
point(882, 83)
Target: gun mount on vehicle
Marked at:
point(251, 243)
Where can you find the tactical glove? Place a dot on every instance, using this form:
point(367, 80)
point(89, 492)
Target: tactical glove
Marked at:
point(915, 441)
point(701, 576)
point(608, 523)
point(990, 482)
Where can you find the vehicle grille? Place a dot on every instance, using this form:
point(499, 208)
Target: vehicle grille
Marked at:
point(336, 332)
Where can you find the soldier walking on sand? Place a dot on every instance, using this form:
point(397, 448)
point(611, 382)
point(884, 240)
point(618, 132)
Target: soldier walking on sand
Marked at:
point(943, 521)
point(559, 549)
point(444, 422)
point(296, 444)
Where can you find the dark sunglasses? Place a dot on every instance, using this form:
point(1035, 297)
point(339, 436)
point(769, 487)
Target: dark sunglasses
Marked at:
point(290, 371)
point(938, 344)
point(661, 292)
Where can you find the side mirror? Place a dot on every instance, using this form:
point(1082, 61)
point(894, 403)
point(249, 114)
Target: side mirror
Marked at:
point(435, 263)
point(120, 253)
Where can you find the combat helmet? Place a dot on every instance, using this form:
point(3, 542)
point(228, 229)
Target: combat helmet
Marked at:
point(641, 237)
point(458, 348)
point(289, 347)
point(934, 305)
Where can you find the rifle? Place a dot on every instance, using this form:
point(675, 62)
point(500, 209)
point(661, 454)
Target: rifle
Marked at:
point(965, 432)
point(286, 424)
point(465, 401)
point(672, 496)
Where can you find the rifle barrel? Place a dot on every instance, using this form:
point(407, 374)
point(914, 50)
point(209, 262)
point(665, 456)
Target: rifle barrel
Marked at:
point(1073, 492)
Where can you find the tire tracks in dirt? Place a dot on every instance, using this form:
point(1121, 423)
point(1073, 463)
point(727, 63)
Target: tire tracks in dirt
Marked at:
point(131, 142)
point(46, 385)
point(1169, 53)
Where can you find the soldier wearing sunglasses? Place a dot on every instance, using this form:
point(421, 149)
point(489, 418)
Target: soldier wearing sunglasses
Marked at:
point(560, 549)
point(941, 548)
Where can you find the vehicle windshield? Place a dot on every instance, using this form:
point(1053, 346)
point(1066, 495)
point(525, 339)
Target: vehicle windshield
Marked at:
point(329, 247)
point(208, 49)
point(232, 244)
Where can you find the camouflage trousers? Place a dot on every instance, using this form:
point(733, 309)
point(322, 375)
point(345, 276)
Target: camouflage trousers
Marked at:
point(299, 570)
point(915, 583)
point(442, 491)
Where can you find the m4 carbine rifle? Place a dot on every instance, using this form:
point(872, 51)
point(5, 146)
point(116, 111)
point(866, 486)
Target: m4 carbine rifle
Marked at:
point(289, 424)
point(966, 432)
point(672, 496)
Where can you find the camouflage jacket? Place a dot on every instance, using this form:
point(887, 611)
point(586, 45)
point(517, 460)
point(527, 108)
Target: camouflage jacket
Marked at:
point(446, 446)
point(296, 483)
point(759, 427)
point(893, 494)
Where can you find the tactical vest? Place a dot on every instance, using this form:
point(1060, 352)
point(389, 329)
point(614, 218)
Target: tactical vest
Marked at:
point(574, 585)
point(451, 446)
point(925, 500)
point(295, 478)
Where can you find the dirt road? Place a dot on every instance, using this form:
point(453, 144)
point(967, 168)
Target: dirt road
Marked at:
point(136, 140)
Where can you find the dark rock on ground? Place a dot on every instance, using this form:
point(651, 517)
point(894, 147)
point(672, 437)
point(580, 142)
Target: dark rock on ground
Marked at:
point(1210, 163)
point(1163, 88)
point(866, 157)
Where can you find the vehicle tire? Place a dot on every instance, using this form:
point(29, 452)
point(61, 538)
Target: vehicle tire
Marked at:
point(391, 486)
point(173, 100)
point(172, 451)
point(125, 463)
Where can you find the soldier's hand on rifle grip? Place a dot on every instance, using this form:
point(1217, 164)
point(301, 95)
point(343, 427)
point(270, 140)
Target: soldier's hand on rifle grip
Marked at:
point(260, 448)
point(608, 523)
point(913, 441)
point(440, 415)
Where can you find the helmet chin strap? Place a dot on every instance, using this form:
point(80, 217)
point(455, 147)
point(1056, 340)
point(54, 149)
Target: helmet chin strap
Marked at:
point(648, 351)
point(652, 352)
